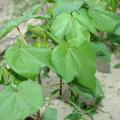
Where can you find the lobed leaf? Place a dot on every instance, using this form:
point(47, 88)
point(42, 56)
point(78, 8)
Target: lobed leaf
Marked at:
point(67, 27)
point(67, 6)
point(16, 103)
point(71, 62)
point(104, 20)
point(27, 61)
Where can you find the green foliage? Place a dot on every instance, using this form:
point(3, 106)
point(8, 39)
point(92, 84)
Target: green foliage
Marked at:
point(117, 65)
point(62, 28)
point(50, 114)
point(17, 102)
point(104, 20)
point(67, 6)
point(74, 116)
point(21, 59)
point(101, 50)
point(68, 42)
point(70, 62)
point(13, 24)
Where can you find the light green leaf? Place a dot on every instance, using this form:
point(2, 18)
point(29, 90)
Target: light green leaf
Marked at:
point(104, 20)
point(66, 27)
point(50, 114)
point(71, 62)
point(99, 94)
point(76, 33)
point(14, 23)
point(59, 26)
point(18, 102)
point(96, 3)
point(67, 6)
point(27, 61)
point(85, 20)
point(117, 29)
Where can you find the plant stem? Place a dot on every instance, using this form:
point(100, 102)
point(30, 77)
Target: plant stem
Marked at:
point(57, 84)
point(61, 87)
point(38, 115)
point(39, 79)
point(22, 36)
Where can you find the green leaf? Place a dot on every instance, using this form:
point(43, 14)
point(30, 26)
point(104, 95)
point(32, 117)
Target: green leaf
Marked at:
point(99, 94)
point(117, 29)
point(96, 3)
point(113, 3)
point(67, 6)
point(14, 23)
point(74, 116)
point(85, 92)
point(101, 50)
point(114, 39)
point(27, 61)
point(59, 26)
point(66, 27)
point(71, 62)
point(1, 72)
point(78, 89)
point(18, 102)
point(104, 20)
point(50, 114)
point(85, 20)
point(117, 66)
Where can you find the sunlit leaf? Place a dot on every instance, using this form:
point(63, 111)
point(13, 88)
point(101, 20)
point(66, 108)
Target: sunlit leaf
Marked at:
point(67, 6)
point(71, 62)
point(27, 61)
point(67, 27)
point(18, 102)
point(104, 20)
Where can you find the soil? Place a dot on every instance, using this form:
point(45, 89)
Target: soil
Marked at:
point(110, 82)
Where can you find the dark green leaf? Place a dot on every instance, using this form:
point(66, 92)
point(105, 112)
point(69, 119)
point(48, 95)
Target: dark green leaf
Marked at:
point(101, 50)
point(74, 116)
point(114, 39)
point(117, 66)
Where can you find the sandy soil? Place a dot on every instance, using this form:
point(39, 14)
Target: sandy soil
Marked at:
point(110, 82)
